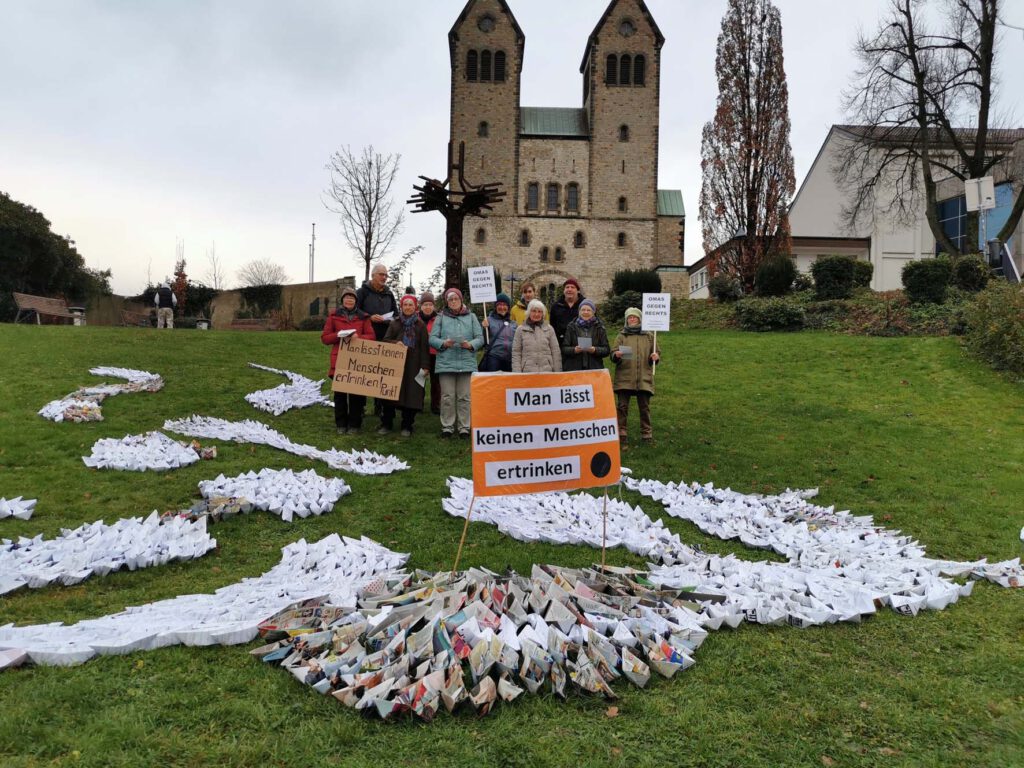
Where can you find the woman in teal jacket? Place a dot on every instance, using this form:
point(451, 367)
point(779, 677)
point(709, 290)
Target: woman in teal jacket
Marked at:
point(457, 336)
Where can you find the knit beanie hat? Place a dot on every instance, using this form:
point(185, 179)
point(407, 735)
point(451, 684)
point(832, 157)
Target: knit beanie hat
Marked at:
point(634, 312)
point(426, 296)
point(349, 291)
point(503, 297)
point(450, 291)
point(571, 281)
point(588, 303)
point(409, 297)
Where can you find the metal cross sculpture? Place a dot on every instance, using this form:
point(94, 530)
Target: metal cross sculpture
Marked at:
point(455, 204)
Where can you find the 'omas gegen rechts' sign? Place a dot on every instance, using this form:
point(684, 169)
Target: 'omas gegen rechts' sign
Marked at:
point(535, 432)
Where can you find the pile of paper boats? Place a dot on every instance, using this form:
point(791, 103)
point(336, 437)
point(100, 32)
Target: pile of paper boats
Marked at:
point(84, 404)
point(150, 451)
point(406, 643)
point(299, 392)
point(282, 492)
point(17, 507)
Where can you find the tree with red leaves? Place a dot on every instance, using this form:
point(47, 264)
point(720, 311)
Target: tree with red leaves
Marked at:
point(746, 159)
point(180, 282)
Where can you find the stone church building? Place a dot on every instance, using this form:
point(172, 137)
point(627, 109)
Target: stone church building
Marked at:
point(581, 183)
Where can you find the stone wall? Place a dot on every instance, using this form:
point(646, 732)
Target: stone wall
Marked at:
point(295, 301)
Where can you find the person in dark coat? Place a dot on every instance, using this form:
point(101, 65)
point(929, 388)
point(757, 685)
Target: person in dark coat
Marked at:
point(589, 355)
point(410, 330)
point(348, 408)
point(501, 329)
point(567, 308)
point(376, 300)
point(428, 316)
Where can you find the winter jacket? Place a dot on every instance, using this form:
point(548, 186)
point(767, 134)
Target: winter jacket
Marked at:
point(535, 350)
point(428, 320)
point(376, 303)
point(164, 298)
point(518, 313)
point(562, 314)
point(417, 359)
point(635, 374)
point(455, 359)
point(498, 352)
point(360, 323)
point(584, 361)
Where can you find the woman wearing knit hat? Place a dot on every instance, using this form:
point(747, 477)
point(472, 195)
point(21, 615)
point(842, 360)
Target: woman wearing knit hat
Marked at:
point(457, 335)
point(635, 354)
point(407, 329)
point(428, 315)
point(348, 409)
point(534, 347)
point(500, 331)
point(585, 344)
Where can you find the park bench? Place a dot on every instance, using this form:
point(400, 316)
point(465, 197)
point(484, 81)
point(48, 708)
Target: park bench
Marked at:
point(253, 324)
point(135, 319)
point(40, 306)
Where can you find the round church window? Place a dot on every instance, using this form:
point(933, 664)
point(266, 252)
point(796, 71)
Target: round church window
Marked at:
point(486, 24)
point(627, 28)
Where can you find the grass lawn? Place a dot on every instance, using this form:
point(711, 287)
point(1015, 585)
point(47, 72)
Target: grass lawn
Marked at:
point(909, 430)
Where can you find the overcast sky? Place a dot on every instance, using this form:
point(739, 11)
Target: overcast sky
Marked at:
point(132, 125)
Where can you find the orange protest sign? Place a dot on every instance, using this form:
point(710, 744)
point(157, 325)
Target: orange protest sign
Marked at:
point(535, 432)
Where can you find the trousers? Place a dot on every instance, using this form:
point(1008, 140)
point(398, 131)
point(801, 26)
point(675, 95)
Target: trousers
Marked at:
point(348, 410)
point(165, 317)
point(643, 401)
point(455, 401)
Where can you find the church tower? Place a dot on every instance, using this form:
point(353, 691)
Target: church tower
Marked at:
point(486, 49)
point(621, 88)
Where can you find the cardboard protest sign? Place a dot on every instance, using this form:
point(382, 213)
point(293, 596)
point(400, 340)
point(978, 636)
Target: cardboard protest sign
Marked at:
point(370, 368)
point(657, 310)
point(482, 288)
point(535, 432)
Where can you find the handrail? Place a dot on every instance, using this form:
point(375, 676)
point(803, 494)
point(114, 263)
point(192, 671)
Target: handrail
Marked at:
point(1010, 272)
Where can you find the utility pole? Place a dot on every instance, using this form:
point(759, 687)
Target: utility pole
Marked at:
point(312, 252)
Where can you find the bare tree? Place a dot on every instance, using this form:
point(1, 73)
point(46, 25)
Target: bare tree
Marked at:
point(261, 272)
point(399, 268)
point(923, 102)
point(435, 279)
point(360, 193)
point(746, 159)
point(215, 277)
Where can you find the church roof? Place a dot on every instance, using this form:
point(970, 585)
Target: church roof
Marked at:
point(670, 203)
point(553, 121)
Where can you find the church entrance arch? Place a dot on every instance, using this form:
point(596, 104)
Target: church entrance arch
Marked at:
point(549, 282)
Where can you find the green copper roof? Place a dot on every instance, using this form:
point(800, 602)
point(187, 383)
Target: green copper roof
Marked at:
point(670, 203)
point(553, 121)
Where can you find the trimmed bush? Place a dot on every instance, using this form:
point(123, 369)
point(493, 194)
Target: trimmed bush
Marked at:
point(769, 314)
point(312, 323)
point(834, 277)
point(775, 276)
point(971, 274)
point(927, 280)
point(995, 327)
point(639, 280)
point(863, 271)
point(725, 288)
point(260, 300)
point(613, 310)
point(803, 282)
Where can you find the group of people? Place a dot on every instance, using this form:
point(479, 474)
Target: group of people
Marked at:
point(520, 337)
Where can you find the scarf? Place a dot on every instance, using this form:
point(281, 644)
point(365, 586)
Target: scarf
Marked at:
point(349, 314)
point(463, 311)
point(409, 329)
point(632, 330)
point(586, 324)
point(535, 324)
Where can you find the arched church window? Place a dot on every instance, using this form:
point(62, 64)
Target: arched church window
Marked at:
point(579, 241)
point(532, 196)
point(559, 254)
point(483, 130)
point(639, 66)
point(524, 237)
point(621, 240)
point(611, 72)
point(481, 235)
point(622, 205)
point(623, 133)
point(499, 66)
point(625, 69)
point(485, 66)
point(471, 66)
point(572, 198)
point(544, 253)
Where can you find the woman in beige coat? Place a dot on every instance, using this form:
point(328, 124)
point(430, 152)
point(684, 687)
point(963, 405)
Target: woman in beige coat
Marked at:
point(535, 347)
